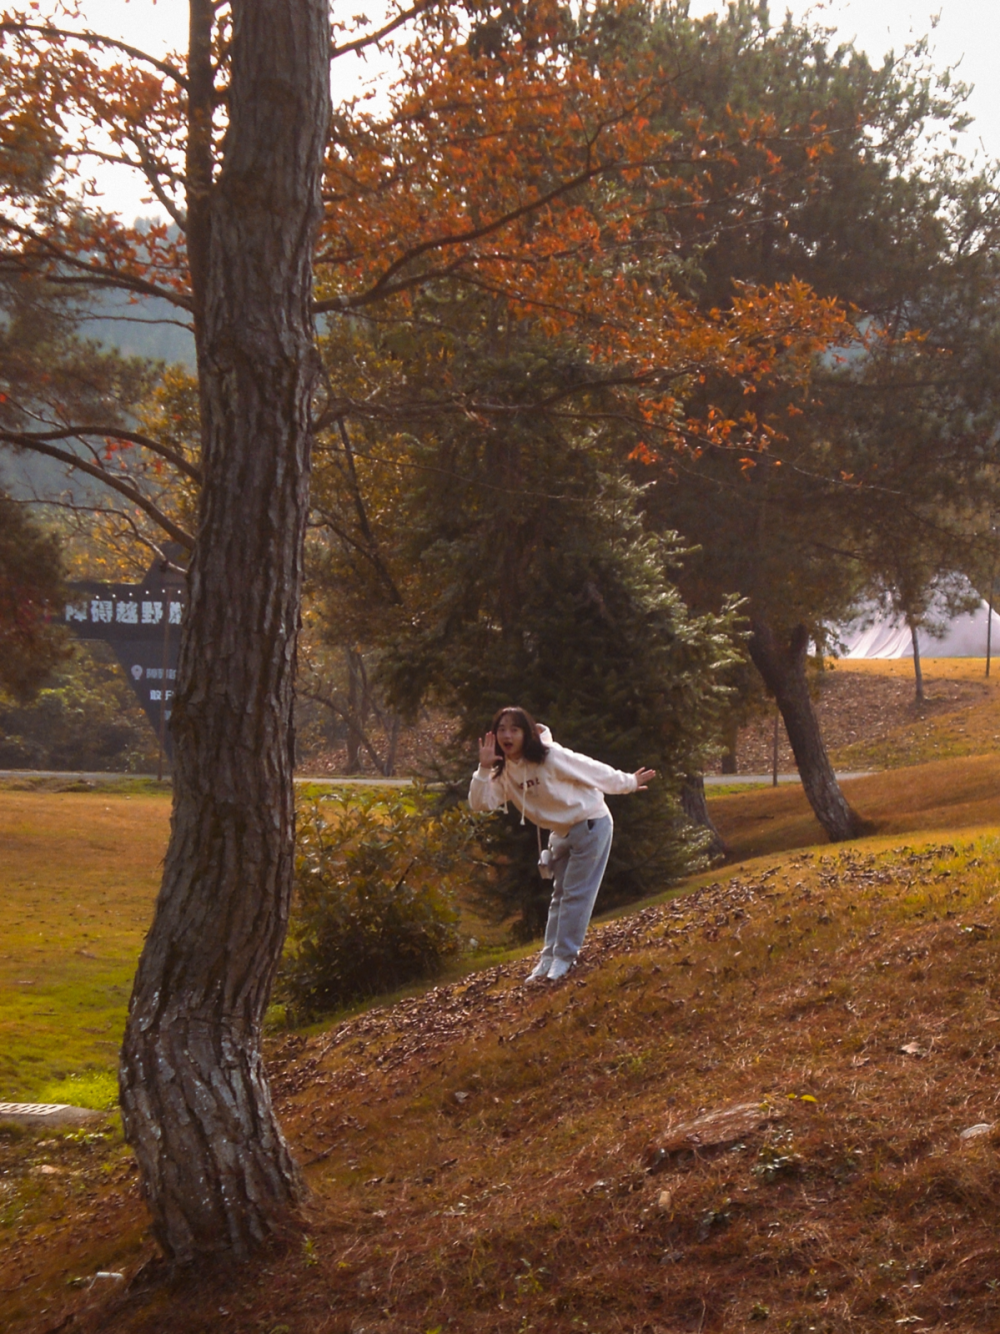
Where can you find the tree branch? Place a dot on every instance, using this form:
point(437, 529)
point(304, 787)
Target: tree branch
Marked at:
point(384, 288)
point(87, 274)
point(123, 487)
point(95, 39)
point(362, 514)
point(373, 38)
point(137, 535)
point(115, 433)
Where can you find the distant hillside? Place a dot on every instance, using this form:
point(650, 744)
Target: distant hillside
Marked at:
point(147, 327)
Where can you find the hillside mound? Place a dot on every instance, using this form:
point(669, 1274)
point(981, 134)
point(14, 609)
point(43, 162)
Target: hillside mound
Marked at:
point(871, 719)
point(494, 1157)
point(944, 795)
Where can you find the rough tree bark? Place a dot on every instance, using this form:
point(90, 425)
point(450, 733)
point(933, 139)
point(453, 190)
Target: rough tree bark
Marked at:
point(918, 676)
point(215, 1169)
point(730, 756)
point(783, 667)
point(357, 706)
point(695, 807)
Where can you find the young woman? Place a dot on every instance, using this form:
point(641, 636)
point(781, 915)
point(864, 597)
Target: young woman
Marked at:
point(561, 791)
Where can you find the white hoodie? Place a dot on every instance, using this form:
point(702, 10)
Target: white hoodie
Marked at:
point(556, 794)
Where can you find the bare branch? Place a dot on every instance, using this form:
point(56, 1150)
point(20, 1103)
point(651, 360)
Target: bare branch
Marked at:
point(137, 534)
point(153, 175)
point(89, 38)
point(104, 317)
point(82, 433)
point(123, 487)
point(329, 699)
point(373, 38)
point(366, 532)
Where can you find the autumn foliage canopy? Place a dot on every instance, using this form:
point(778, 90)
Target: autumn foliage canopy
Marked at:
point(518, 156)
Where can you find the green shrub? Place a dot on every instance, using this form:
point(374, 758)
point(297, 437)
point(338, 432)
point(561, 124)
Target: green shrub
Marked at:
point(377, 875)
point(86, 717)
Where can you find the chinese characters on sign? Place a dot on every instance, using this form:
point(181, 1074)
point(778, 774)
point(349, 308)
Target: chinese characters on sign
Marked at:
point(141, 622)
point(122, 611)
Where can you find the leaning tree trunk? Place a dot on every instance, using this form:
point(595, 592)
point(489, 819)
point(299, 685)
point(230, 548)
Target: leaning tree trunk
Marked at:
point(695, 807)
point(730, 756)
point(783, 667)
point(356, 711)
point(215, 1169)
point(918, 676)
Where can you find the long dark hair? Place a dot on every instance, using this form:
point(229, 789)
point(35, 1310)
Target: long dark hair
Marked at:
point(532, 750)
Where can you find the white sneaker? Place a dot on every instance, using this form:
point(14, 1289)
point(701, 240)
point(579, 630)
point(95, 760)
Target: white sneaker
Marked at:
point(559, 968)
point(540, 971)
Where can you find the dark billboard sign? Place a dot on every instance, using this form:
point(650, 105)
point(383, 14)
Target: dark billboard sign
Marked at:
point(142, 623)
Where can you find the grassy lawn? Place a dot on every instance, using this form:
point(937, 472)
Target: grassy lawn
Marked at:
point(475, 1153)
point(936, 736)
point(79, 873)
point(477, 1156)
point(943, 795)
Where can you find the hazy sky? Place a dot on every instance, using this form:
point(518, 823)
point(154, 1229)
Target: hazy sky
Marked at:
point(968, 31)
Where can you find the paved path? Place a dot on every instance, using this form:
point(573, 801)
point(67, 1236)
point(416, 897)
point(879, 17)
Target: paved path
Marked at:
point(727, 780)
point(711, 780)
point(360, 781)
point(47, 1114)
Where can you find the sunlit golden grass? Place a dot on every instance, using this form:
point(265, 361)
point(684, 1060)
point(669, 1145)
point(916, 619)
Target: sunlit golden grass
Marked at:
point(936, 736)
point(952, 669)
point(476, 1157)
point(946, 795)
point(78, 877)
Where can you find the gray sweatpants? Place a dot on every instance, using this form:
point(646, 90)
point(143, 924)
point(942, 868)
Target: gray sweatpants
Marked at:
point(578, 862)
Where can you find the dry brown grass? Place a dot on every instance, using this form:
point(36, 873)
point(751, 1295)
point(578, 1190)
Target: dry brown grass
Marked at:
point(475, 1155)
point(945, 795)
point(935, 732)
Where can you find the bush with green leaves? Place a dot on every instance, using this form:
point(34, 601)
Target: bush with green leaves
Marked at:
point(85, 718)
point(377, 877)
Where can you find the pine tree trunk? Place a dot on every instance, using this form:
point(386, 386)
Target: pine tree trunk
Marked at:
point(695, 807)
point(917, 672)
point(215, 1170)
point(783, 667)
point(730, 756)
point(355, 711)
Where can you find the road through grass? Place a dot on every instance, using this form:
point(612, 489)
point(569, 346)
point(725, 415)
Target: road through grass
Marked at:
point(79, 873)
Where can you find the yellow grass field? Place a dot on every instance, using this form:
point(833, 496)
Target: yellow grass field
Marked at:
point(79, 873)
point(929, 735)
point(478, 1157)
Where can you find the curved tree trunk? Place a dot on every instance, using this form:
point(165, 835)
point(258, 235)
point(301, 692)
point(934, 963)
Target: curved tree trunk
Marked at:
point(730, 756)
point(215, 1169)
point(783, 667)
point(695, 807)
point(918, 676)
point(356, 710)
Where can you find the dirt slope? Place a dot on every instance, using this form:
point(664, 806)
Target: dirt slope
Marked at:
point(947, 794)
point(478, 1156)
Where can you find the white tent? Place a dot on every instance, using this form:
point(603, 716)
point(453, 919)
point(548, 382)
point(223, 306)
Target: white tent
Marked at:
point(880, 635)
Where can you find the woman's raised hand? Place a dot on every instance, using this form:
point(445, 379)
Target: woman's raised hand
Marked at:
point(642, 777)
point(487, 751)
